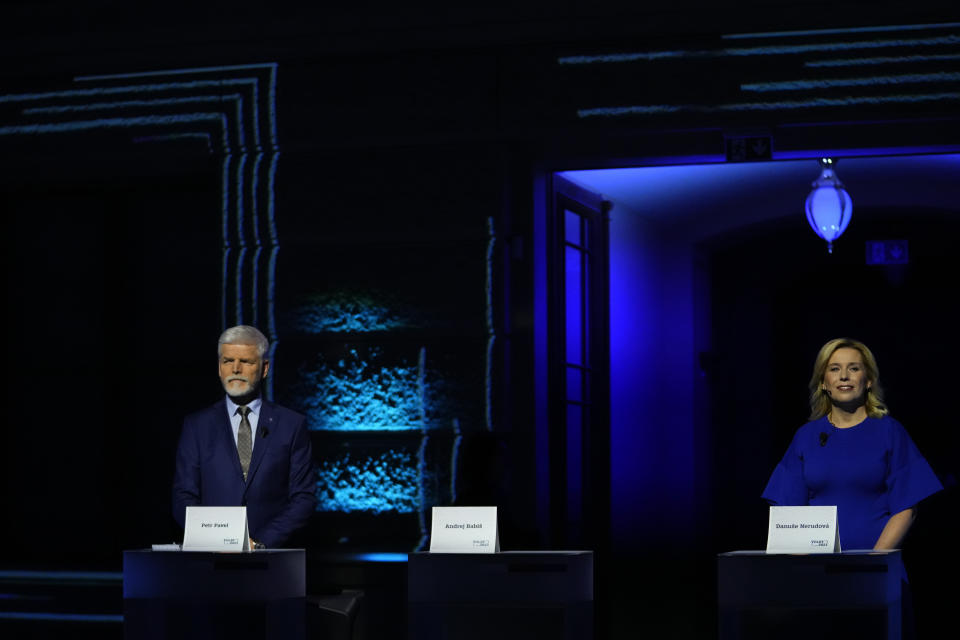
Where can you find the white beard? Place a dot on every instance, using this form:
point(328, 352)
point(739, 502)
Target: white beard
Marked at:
point(245, 389)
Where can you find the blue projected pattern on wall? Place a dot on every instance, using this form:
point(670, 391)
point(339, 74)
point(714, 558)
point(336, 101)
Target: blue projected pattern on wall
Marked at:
point(374, 483)
point(876, 67)
point(360, 392)
point(390, 376)
point(404, 410)
point(342, 312)
point(231, 110)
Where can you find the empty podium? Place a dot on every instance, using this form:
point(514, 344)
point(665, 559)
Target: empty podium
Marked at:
point(500, 596)
point(831, 595)
point(194, 594)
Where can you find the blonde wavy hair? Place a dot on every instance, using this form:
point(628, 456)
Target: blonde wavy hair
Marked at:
point(820, 404)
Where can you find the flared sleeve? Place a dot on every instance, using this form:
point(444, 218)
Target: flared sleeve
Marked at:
point(786, 486)
point(910, 478)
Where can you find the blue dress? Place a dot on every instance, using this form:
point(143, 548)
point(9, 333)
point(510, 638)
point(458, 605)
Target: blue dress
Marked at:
point(870, 471)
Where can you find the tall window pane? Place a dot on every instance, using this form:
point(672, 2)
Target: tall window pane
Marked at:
point(571, 227)
point(574, 306)
point(574, 384)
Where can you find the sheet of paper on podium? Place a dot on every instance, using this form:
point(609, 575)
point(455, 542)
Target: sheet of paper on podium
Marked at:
point(804, 529)
point(216, 529)
point(464, 530)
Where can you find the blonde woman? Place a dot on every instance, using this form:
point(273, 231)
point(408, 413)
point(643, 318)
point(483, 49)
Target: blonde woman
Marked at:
point(852, 454)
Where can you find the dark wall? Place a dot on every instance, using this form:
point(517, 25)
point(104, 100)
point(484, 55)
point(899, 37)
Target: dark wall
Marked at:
point(112, 288)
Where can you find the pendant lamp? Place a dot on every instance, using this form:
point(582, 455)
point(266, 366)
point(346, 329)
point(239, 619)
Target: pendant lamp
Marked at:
point(828, 206)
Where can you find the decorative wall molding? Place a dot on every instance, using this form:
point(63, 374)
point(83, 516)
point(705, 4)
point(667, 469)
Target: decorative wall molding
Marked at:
point(230, 108)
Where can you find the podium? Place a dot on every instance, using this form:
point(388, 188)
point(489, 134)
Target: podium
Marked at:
point(832, 595)
point(514, 594)
point(195, 594)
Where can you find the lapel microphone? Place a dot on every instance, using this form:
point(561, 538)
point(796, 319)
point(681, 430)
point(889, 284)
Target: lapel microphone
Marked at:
point(823, 439)
point(263, 431)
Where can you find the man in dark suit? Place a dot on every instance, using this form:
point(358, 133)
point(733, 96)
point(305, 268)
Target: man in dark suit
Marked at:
point(245, 450)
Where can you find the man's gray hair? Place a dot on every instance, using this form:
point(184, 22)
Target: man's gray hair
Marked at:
point(244, 334)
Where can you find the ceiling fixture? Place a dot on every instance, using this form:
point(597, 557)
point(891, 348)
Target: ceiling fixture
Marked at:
point(829, 205)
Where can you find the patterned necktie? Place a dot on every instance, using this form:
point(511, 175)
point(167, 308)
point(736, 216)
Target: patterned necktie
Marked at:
point(244, 440)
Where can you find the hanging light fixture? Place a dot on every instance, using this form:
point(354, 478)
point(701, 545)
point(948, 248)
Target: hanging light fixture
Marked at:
point(829, 205)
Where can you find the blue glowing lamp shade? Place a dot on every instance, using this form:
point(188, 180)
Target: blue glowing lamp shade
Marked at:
point(829, 206)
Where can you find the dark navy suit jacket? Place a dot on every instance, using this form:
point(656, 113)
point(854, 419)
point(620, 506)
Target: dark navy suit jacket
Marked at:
point(279, 490)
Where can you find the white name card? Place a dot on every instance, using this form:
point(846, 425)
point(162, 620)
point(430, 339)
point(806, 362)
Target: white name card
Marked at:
point(216, 529)
point(803, 530)
point(464, 530)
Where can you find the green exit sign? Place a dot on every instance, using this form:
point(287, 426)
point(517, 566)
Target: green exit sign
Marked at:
point(888, 252)
point(749, 148)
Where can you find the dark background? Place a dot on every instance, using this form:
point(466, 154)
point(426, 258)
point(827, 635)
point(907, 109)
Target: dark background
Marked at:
point(403, 132)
